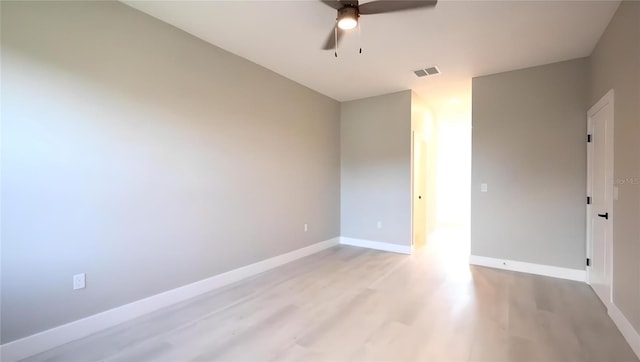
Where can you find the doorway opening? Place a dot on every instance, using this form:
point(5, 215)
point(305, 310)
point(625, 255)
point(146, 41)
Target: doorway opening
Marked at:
point(441, 146)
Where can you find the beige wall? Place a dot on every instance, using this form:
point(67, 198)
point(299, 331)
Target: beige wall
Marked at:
point(615, 64)
point(375, 154)
point(529, 147)
point(148, 159)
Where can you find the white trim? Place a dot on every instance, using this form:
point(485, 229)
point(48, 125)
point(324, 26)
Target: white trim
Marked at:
point(40, 342)
point(413, 171)
point(589, 231)
point(630, 334)
point(378, 245)
point(523, 267)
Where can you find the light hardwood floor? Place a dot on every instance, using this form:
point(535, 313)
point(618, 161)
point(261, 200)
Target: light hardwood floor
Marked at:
point(351, 304)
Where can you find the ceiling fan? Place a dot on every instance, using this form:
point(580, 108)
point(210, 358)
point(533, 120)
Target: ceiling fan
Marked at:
point(350, 10)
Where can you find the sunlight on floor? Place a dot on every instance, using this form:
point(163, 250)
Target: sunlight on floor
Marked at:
point(448, 247)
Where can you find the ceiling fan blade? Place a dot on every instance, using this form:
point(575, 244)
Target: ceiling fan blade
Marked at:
point(339, 4)
point(389, 6)
point(335, 4)
point(331, 40)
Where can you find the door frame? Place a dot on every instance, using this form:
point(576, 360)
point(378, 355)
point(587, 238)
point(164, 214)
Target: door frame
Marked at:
point(607, 99)
point(413, 226)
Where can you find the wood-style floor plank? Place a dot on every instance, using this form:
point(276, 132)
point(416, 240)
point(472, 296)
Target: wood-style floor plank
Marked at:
point(351, 304)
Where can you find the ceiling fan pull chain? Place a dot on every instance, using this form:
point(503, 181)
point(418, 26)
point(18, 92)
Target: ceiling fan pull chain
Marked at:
point(360, 34)
point(335, 35)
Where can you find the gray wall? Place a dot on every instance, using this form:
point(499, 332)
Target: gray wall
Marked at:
point(375, 154)
point(529, 131)
point(615, 64)
point(148, 159)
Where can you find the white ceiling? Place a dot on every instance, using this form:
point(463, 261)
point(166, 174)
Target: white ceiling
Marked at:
point(463, 38)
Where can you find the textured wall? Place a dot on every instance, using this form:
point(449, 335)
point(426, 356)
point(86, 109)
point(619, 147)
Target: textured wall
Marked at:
point(148, 159)
point(375, 154)
point(529, 146)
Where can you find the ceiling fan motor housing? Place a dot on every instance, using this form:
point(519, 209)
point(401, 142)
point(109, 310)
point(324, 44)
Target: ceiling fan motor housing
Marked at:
point(348, 17)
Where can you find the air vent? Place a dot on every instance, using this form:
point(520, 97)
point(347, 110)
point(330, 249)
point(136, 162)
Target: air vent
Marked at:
point(432, 71)
point(427, 71)
point(420, 73)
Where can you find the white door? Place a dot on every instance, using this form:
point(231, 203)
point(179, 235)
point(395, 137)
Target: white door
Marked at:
point(600, 193)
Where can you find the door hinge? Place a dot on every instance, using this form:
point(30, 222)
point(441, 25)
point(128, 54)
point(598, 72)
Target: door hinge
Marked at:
point(588, 138)
point(588, 262)
point(588, 200)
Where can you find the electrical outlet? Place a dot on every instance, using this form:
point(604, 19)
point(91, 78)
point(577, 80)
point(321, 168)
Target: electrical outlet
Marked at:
point(79, 281)
point(484, 187)
point(306, 228)
point(379, 224)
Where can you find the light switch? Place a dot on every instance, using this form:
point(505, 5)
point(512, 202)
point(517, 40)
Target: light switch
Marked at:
point(483, 188)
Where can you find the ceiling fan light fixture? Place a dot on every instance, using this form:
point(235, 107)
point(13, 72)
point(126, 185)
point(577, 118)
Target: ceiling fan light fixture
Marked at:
point(347, 18)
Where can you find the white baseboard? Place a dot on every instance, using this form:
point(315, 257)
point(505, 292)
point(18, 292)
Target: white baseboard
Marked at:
point(630, 334)
point(520, 266)
point(57, 336)
point(395, 248)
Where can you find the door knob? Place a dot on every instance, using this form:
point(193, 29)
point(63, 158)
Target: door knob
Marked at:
point(605, 215)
